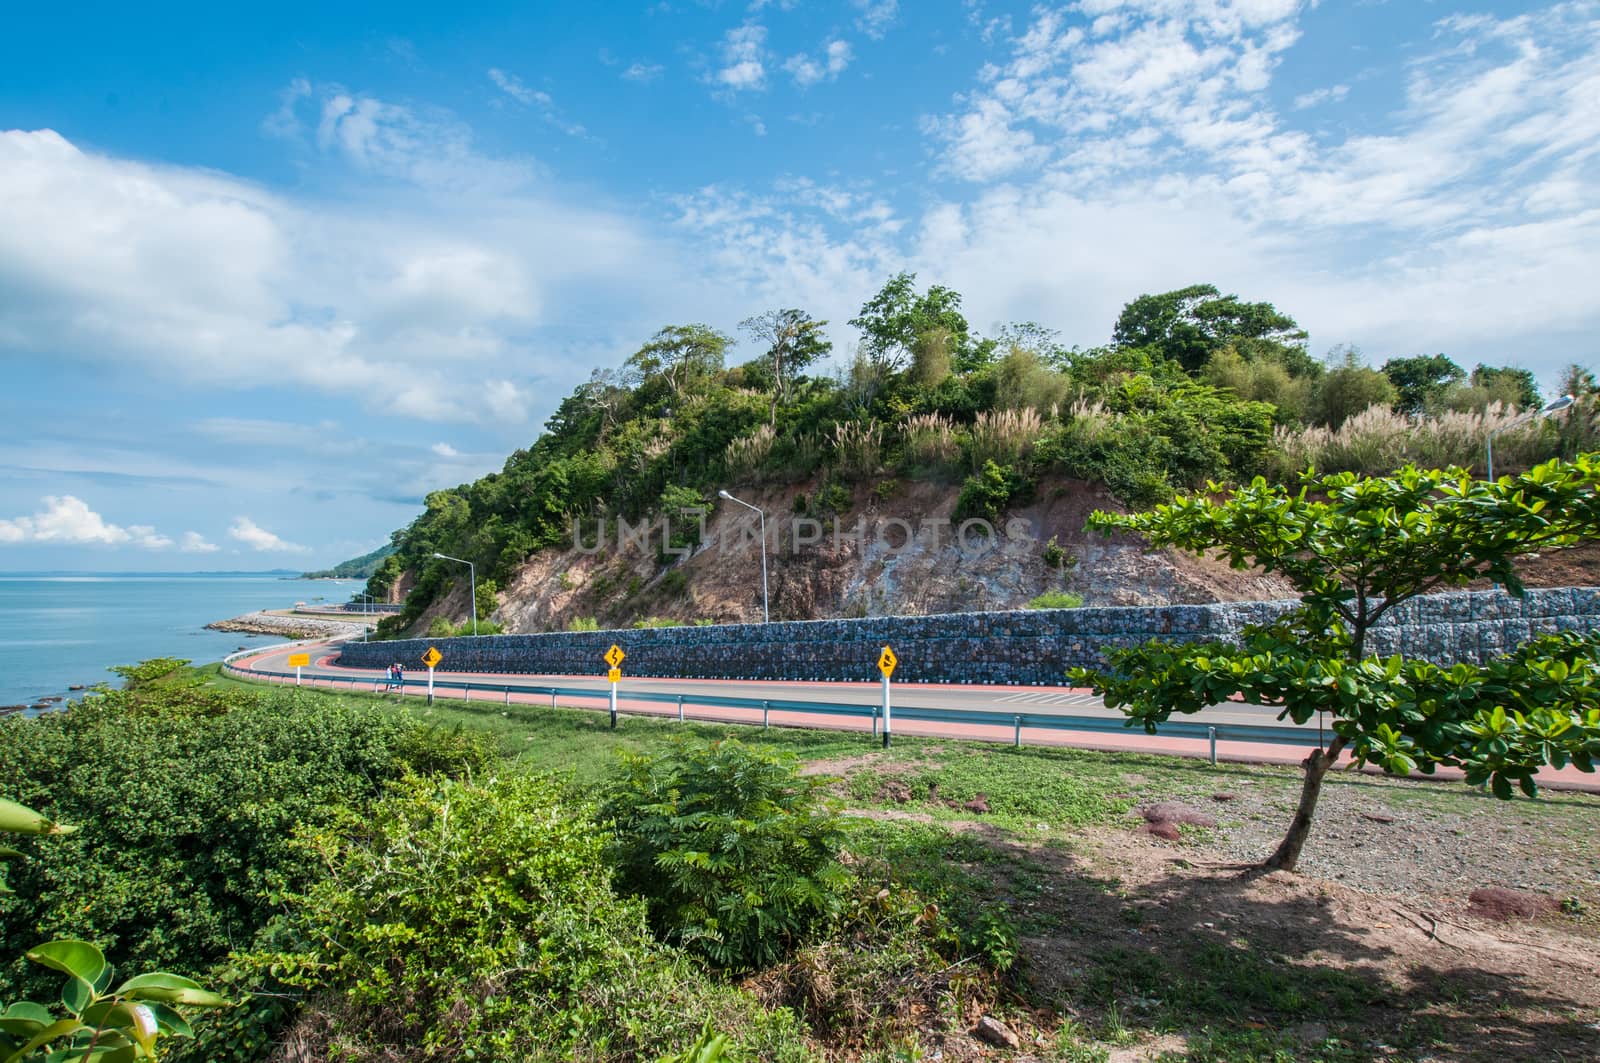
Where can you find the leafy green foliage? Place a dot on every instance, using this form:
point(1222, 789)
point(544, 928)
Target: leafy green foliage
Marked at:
point(1056, 600)
point(478, 921)
point(185, 817)
point(1188, 325)
point(988, 494)
point(736, 852)
point(1355, 548)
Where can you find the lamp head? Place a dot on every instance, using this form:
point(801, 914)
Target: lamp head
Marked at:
point(441, 557)
point(1557, 405)
point(724, 494)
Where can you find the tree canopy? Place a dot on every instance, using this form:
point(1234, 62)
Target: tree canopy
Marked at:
point(1355, 549)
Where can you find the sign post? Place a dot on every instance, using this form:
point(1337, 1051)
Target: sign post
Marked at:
point(614, 658)
point(431, 658)
point(886, 662)
point(298, 661)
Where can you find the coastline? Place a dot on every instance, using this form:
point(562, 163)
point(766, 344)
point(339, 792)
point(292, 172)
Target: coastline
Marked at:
point(288, 627)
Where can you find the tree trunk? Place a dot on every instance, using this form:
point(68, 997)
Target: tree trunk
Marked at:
point(1316, 765)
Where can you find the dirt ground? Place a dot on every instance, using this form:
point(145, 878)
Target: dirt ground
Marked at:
point(1379, 920)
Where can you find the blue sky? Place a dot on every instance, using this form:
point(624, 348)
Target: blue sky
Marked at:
point(267, 278)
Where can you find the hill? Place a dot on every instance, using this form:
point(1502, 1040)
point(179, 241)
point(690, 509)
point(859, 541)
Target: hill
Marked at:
point(928, 422)
point(361, 567)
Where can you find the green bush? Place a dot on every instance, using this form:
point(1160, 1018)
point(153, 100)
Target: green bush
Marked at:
point(1057, 600)
point(583, 623)
point(991, 492)
point(186, 818)
point(478, 922)
point(735, 851)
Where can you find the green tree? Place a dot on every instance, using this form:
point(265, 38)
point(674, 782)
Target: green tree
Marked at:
point(680, 356)
point(1190, 324)
point(1349, 388)
point(794, 341)
point(1355, 549)
point(892, 321)
point(1420, 381)
point(1507, 385)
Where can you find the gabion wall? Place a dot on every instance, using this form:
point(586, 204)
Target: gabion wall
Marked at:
point(1021, 647)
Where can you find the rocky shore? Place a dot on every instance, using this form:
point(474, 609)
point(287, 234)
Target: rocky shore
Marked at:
point(288, 627)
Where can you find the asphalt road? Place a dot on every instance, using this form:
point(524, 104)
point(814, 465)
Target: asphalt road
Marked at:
point(1037, 704)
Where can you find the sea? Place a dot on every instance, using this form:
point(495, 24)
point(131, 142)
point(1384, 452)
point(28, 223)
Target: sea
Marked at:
point(59, 631)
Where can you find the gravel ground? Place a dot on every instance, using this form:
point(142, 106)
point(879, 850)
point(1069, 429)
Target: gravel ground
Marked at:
point(1414, 839)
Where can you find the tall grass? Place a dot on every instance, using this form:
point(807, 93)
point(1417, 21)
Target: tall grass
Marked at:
point(747, 456)
point(930, 441)
point(1005, 437)
point(858, 449)
point(1378, 441)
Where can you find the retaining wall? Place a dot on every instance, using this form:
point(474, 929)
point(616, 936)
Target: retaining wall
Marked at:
point(1023, 647)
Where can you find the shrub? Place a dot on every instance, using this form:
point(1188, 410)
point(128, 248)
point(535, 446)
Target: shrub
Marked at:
point(186, 818)
point(479, 922)
point(1056, 557)
point(657, 621)
point(747, 456)
point(989, 493)
point(857, 449)
point(930, 441)
point(583, 623)
point(735, 851)
point(1057, 600)
point(441, 628)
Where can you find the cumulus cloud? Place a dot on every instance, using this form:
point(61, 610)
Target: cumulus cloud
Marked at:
point(195, 543)
point(68, 520)
point(806, 71)
point(445, 450)
point(744, 59)
point(876, 16)
point(642, 72)
point(258, 538)
point(190, 273)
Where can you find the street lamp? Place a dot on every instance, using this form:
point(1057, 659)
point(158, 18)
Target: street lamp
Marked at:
point(472, 574)
point(367, 625)
point(766, 615)
point(1553, 406)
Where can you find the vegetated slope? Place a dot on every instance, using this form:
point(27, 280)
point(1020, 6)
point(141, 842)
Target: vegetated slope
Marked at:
point(361, 567)
point(929, 422)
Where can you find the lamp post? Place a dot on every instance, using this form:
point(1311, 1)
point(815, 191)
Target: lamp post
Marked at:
point(472, 575)
point(366, 626)
point(1553, 406)
point(766, 615)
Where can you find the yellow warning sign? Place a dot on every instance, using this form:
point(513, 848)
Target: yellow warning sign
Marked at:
point(886, 662)
point(432, 657)
point(615, 675)
point(299, 660)
point(615, 655)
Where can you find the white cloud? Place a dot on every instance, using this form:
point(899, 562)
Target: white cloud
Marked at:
point(68, 520)
point(642, 72)
point(877, 16)
point(195, 543)
point(513, 86)
point(1330, 94)
point(189, 274)
point(836, 56)
point(445, 450)
point(744, 59)
point(258, 538)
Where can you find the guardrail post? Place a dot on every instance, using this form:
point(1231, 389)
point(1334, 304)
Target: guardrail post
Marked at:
point(766, 708)
point(680, 708)
point(1211, 732)
point(552, 697)
point(508, 695)
point(875, 711)
point(1016, 739)
point(466, 692)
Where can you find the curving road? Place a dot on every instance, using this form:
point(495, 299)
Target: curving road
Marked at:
point(1037, 703)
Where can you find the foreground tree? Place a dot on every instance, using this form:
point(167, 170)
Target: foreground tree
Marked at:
point(1355, 549)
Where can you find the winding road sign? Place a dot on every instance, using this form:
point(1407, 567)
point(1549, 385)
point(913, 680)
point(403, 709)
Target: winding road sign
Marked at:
point(615, 655)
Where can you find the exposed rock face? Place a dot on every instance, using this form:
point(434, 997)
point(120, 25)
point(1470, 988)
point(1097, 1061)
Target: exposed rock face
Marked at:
point(289, 627)
point(992, 1031)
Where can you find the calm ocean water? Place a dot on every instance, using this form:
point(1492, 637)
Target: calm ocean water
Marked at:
point(56, 631)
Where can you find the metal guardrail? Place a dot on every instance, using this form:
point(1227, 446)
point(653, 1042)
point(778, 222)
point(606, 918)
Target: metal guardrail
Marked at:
point(1017, 721)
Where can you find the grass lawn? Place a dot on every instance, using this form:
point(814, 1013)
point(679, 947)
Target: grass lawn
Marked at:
point(1129, 947)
